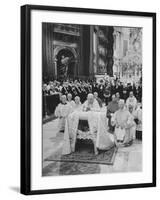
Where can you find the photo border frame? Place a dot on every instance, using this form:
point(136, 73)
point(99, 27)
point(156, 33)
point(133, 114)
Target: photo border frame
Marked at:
point(25, 182)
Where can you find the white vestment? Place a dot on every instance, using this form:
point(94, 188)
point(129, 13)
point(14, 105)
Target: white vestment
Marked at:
point(98, 127)
point(133, 126)
point(131, 101)
point(62, 111)
point(138, 115)
point(71, 103)
point(93, 107)
point(77, 107)
point(124, 122)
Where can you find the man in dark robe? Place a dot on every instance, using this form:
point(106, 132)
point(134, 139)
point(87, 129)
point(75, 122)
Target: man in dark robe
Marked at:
point(107, 95)
point(111, 109)
point(140, 93)
point(121, 89)
point(98, 99)
point(83, 95)
point(64, 90)
point(94, 87)
point(129, 88)
point(124, 94)
point(101, 91)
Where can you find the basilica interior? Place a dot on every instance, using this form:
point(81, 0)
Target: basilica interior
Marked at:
point(90, 51)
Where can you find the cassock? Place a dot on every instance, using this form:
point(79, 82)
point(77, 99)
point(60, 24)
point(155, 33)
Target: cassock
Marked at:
point(64, 90)
point(111, 109)
point(94, 87)
point(124, 95)
point(83, 95)
point(101, 91)
point(107, 95)
point(138, 117)
point(140, 93)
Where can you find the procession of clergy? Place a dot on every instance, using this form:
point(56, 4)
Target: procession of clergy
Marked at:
point(120, 121)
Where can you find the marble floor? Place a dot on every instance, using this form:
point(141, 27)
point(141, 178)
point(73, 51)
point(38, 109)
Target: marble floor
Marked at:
point(128, 159)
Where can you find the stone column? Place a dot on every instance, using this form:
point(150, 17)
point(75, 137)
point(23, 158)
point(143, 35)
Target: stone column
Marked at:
point(95, 51)
point(55, 68)
point(109, 56)
point(91, 52)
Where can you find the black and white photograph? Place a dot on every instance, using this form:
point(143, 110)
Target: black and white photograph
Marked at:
point(88, 99)
point(79, 100)
point(92, 99)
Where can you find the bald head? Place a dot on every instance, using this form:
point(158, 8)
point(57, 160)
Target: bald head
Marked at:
point(69, 96)
point(114, 97)
point(131, 94)
point(77, 99)
point(63, 98)
point(95, 95)
point(121, 104)
point(130, 108)
point(90, 98)
point(117, 95)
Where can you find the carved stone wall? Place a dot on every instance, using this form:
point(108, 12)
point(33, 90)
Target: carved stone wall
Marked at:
point(91, 46)
point(57, 37)
point(105, 50)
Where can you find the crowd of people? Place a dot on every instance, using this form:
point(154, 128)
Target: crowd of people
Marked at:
point(104, 89)
point(122, 102)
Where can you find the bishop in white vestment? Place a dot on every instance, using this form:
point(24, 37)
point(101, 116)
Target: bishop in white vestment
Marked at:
point(91, 104)
point(77, 106)
point(131, 101)
point(62, 111)
point(70, 101)
point(123, 121)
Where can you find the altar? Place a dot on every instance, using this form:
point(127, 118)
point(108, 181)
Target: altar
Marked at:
point(97, 131)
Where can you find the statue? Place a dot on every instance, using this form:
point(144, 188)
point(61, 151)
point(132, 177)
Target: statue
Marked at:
point(64, 66)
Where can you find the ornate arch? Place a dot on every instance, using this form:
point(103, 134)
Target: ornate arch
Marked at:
point(59, 48)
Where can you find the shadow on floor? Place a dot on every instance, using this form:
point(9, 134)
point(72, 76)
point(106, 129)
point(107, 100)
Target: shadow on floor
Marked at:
point(15, 189)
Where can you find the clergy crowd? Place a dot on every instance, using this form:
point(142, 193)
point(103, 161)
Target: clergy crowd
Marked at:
point(104, 89)
point(122, 104)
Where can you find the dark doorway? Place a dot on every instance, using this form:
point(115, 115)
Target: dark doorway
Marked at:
point(65, 64)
